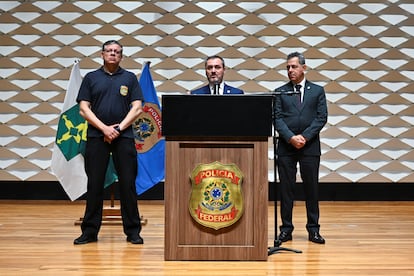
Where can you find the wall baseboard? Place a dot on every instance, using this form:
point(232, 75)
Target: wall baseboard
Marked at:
point(52, 190)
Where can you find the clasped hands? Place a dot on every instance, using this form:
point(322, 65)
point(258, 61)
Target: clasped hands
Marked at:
point(298, 141)
point(111, 133)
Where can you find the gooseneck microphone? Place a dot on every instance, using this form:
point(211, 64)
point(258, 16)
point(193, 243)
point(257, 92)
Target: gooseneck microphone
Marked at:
point(216, 88)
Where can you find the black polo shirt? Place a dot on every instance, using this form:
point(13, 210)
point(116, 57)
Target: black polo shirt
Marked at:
point(110, 96)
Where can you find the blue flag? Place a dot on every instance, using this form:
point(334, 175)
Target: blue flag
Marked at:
point(148, 137)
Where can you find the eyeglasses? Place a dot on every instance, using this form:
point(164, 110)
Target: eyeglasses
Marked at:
point(110, 51)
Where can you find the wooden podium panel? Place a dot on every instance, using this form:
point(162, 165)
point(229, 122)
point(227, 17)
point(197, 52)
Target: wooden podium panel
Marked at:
point(185, 239)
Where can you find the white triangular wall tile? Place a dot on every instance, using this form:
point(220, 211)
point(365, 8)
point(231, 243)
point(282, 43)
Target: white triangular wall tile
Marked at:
point(353, 154)
point(23, 152)
point(394, 177)
point(393, 41)
point(333, 7)
point(148, 17)
point(353, 41)
point(24, 129)
point(394, 86)
point(374, 165)
point(9, 5)
point(251, 6)
point(190, 17)
point(88, 5)
point(394, 154)
point(334, 165)
point(394, 131)
point(291, 7)
point(333, 142)
point(5, 163)
point(67, 17)
point(353, 131)
point(7, 28)
point(374, 120)
point(47, 5)
point(43, 141)
point(292, 29)
point(24, 107)
point(4, 141)
point(373, 52)
point(372, 7)
point(128, 5)
point(407, 7)
point(43, 164)
point(373, 30)
point(373, 142)
point(4, 118)
point(169, 6)
point(353, 108)
point(26, 16)
point(23, 175)
point(393, 19)
point(272, 18)
point(5, 72)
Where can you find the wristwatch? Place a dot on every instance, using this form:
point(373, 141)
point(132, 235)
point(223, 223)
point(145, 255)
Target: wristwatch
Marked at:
point(117, 129)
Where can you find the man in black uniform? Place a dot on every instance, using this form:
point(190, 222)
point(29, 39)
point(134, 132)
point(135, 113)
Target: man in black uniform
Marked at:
point(110, 99)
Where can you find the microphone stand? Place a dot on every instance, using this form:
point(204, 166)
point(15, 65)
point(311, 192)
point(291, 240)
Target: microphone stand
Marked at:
point(276, 243)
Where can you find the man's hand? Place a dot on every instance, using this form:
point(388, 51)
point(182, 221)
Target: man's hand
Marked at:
point(110, 133)
point(298, 141)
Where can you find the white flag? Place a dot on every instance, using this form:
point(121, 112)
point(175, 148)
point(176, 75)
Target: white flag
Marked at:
point(69, 169)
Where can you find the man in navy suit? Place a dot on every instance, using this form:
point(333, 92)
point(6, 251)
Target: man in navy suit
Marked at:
point(215, 68)
point(299, 119)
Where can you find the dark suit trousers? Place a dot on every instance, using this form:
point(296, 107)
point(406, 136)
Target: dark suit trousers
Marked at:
point(96, 162)
point(309, 171)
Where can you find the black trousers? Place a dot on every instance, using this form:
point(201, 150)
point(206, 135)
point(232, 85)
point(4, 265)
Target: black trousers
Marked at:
point(96, 162)
point(309, 172)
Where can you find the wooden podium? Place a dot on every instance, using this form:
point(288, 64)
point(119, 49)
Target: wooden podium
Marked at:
point(230, 129)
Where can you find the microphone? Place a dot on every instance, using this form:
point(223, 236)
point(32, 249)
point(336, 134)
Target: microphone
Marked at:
point(216, 88)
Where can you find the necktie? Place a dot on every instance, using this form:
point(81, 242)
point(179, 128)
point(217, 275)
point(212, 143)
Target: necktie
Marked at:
point(299, 95)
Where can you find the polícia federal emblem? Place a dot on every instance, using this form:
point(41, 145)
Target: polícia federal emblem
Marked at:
point(216, 199)
point(147, 128)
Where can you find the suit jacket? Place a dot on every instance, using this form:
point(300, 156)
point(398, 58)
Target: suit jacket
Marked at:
point(308, 119)
point(227, 90)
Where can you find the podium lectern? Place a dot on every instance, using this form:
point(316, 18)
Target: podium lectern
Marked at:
point(203, 129)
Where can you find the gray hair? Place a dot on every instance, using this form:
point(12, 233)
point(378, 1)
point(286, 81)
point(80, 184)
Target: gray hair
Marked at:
point(300, 56)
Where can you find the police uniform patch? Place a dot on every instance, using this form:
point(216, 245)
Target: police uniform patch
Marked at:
point(216, 199)
point(123, 90)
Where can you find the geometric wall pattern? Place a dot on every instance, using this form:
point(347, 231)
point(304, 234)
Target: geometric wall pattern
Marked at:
point(362, 52)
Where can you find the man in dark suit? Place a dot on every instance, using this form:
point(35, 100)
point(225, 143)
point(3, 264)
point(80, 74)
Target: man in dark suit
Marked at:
point(299, 119)
point(215, 68)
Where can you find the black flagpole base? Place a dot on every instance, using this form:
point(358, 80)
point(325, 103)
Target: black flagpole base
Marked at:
point(276, 248)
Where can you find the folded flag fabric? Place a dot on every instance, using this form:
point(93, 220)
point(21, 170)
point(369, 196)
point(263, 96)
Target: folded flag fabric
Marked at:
point(148, 136)
point(69, 148)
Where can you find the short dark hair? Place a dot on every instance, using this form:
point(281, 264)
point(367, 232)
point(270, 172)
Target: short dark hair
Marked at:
point(110, 42)
point(300, 56)
point(213, 57)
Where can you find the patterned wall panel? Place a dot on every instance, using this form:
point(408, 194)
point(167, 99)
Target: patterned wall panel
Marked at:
point(361, 51)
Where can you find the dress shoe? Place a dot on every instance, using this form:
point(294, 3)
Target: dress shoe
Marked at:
point(135, 240)
point(285, 236)
point(316, 238)
point(84, 239)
